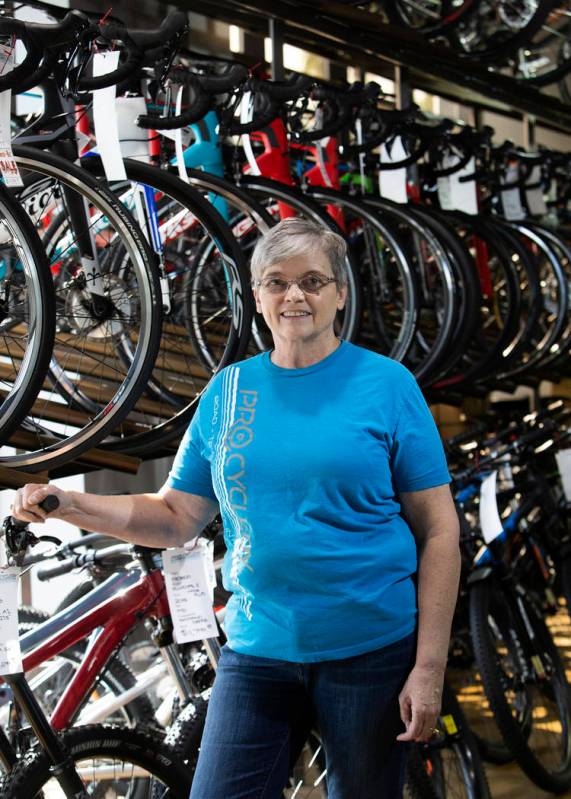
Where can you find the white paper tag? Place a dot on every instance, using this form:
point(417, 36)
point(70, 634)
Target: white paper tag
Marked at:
point(392, 182)
point(189, 588)
point(490, 522)
point(105, 118)
point(10, 654)
point(453, 193)
point(179, 149)
point(8, 166)
point(511, 201)
point(246, 114)
point(564, 464)
point(134, 140)
point(534, 197)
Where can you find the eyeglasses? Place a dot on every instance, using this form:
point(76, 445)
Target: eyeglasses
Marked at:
point(309, 284)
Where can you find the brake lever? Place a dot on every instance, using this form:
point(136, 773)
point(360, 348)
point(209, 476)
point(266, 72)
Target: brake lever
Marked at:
point(19, 538)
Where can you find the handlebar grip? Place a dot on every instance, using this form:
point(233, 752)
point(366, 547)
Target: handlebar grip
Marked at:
point(332, 124)
point(63, 567)
point(220, 84)
point(38, 39)
point(174, 25)
point(283, 90)
point(21, 73)
point(123, 71)
point(198, 105)
point(46, 35)
point(464, 160)
point(50, 503)
point(265, 111)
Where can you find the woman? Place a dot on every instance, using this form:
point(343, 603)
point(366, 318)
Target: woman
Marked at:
point(342, 538)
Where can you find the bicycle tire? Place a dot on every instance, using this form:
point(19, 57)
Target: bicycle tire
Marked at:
point(488, 354)
point(185, 733)
point(397, 15)
point(497, 48)
point(29, 615)
point(453, 317)
point(28, 302)
point(59, 448)
point(131, 748)
point(487, 604)
point(555, 284)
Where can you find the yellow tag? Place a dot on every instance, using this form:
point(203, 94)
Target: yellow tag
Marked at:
point(538, 666)
point(450, 724)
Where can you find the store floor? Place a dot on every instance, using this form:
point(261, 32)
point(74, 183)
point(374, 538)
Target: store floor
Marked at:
point(508, 782)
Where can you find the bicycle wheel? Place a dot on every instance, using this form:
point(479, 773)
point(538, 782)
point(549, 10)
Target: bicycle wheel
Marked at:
point(499, 28)
point(27, 317)
point(527, 690)
point(123, 764)
point(439, 294)
point(429, 18)
point(500, 293)
point(554, 291)
point(90, 326)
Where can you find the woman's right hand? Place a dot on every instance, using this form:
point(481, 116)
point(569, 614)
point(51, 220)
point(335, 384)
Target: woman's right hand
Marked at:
point(26, 505)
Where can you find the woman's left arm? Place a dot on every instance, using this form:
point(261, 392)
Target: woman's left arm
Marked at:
point(434, 522)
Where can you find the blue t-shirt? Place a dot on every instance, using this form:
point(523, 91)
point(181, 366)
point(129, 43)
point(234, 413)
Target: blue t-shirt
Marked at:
point(307, 465)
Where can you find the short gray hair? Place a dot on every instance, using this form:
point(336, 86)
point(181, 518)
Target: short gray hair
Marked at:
point(297, 236)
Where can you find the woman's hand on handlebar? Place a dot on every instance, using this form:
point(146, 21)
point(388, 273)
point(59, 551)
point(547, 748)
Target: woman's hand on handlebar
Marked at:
point(26, 505)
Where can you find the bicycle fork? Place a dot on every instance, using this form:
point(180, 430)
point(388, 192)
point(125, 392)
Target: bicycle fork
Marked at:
point(62, 766)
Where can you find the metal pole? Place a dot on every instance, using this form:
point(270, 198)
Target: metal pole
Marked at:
point(403, 90)
point(276, 29)
point(529, 131)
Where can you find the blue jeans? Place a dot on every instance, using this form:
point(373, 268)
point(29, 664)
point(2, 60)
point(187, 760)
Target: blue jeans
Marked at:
point(261, 709)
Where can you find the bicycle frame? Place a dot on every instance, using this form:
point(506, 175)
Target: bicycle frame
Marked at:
point(116, 615)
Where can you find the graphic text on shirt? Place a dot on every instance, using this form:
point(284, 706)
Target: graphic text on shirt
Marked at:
point(236, 434)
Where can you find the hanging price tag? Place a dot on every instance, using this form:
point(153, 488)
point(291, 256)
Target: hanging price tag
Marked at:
point(455, 194)
point(246, 115)
point(563, 458)
point(134, 140)
point(105, 118)
point(511, 201)
point(534, 197)
point(8, 166)
point(190, 586)
point(392, 182)
point(10, 654)
point(179, 149)
point(490, 522)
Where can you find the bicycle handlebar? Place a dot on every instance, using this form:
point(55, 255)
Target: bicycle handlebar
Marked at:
point(117, 554)
point(38, 38)
point(198, 104)
point(221, 84)
point(282, 90)
point(137, 45)
point(173, 27)
point(521, 443)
